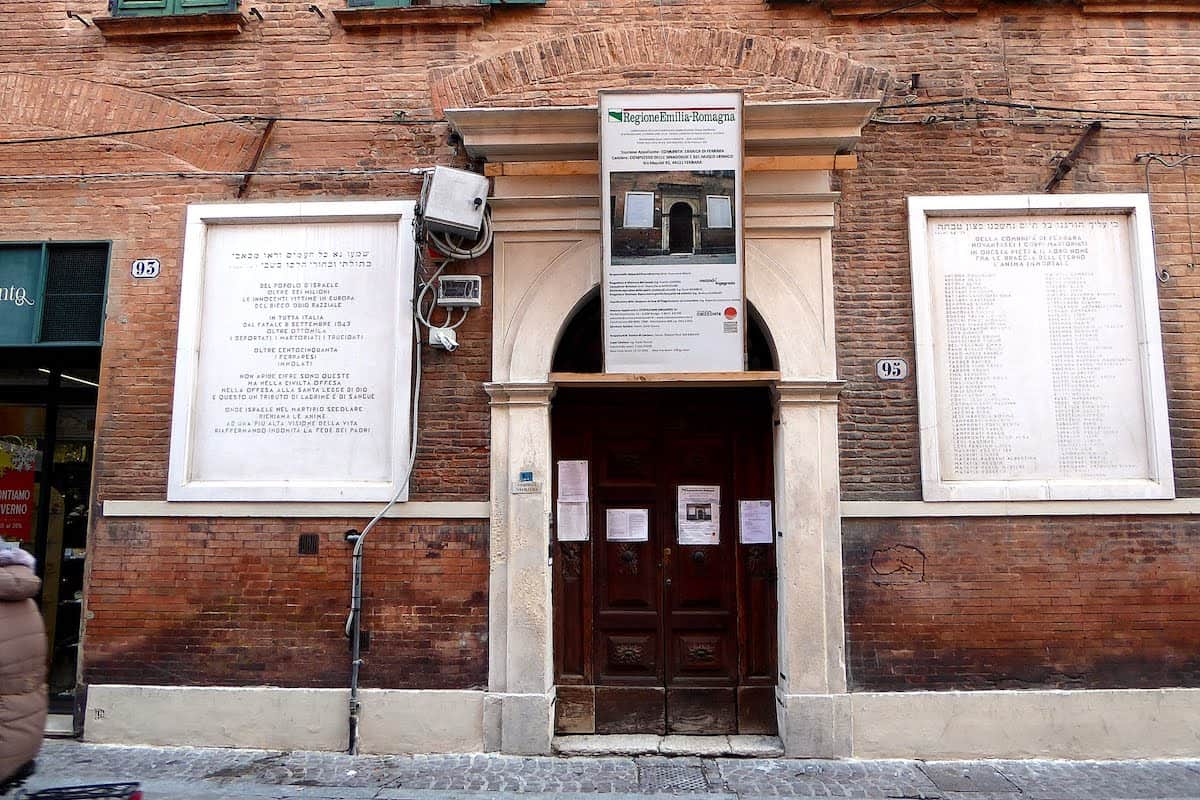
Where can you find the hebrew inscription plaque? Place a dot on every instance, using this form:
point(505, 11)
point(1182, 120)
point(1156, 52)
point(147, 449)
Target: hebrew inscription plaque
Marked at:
point(1039, 376)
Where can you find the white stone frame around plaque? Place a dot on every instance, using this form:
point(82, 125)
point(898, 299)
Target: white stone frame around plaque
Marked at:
point(180, 485)
point(1161, 485)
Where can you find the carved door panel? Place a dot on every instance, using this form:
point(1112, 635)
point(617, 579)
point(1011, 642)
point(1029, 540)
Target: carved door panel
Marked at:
point(700, 585)
point(655, 636)
point(629, 658)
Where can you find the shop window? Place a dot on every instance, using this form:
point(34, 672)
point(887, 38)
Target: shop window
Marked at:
point(161, 8)
point(52, 293)
point(47, 427)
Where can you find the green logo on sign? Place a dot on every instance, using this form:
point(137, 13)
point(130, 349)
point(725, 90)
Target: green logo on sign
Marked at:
point(616, 115)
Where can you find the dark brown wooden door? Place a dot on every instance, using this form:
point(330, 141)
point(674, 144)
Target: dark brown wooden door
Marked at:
point(656, 636)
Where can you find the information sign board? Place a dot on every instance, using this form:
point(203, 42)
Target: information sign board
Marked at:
point(671, 174)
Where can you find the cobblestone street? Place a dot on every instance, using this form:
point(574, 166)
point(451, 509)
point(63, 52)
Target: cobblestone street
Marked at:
point(208, 774)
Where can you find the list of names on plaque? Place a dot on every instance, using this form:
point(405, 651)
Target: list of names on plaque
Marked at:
point(296, 373)
point(1036, 340)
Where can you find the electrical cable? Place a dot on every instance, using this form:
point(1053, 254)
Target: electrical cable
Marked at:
point(963, 101)
point(1035, 107)
point(1179, 160)
point(291, 173)
point(238, 120)
point(456, 248)
point(412, 457)
point(453, 251)
point(452, 248)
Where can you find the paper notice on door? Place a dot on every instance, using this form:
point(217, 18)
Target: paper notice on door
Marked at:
point(572, 519)
point(572, 481)
point(699, 515)
point(754, 522)
point(627, 524)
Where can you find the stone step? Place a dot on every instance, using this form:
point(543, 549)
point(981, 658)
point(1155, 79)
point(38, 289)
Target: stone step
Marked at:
point(59, 726)
point(733, 746)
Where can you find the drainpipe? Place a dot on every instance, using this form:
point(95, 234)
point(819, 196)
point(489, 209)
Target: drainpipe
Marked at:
point(353, 537)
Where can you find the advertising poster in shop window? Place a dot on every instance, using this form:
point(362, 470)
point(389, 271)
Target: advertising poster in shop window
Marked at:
point(16, 492)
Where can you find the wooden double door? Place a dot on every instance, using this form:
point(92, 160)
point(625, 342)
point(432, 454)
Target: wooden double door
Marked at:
point(653, 632)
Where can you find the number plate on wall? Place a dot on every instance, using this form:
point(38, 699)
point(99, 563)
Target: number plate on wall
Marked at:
point(891, 369)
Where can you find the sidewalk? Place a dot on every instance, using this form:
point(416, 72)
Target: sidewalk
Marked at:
point(211, 774)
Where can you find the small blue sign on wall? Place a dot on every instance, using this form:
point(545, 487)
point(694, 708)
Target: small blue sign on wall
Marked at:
point(20, 294)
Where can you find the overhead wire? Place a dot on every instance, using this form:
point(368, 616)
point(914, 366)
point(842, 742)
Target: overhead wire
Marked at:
point(1038, 107)
point(237, 120)
point(401, 120)
point(975, 109)
point(1171, 161)
point(200, 174)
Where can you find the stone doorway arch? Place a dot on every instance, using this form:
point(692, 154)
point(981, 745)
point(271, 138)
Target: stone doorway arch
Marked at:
point(547, 264)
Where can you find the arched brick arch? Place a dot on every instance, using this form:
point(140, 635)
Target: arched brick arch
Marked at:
point(727, 57)
point(73, 106)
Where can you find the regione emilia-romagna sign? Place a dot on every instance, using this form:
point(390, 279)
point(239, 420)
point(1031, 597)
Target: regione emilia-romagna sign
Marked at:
point(671, 179)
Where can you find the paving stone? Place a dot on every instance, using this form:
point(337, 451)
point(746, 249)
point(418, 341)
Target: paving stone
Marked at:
point(1084, 780)
point(957, 776)
point(826, 778)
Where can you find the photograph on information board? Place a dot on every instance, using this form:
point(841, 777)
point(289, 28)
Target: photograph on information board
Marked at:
point(671, 174)
point(682, 217)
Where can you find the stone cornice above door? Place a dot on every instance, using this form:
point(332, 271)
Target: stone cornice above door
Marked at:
point(789, 128)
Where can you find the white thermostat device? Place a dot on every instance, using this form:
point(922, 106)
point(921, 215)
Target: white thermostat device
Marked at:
point(460, 291)
point(453, 200)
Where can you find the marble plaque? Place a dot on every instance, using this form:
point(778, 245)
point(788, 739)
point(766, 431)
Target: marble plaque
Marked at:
point(1039, 355)
point(295, 353)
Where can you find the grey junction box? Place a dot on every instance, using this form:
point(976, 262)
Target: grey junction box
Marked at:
point(453, 200)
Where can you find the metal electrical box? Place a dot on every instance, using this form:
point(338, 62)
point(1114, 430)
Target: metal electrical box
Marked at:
point(460, 291)
point(452, 200)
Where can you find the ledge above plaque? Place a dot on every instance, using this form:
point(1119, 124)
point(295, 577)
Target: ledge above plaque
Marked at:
point(294, 365)
point(1039, 352)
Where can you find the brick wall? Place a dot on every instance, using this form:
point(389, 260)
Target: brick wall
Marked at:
point(880, 456)
point(231, 602)
point(160, 593)
point(1046, 602)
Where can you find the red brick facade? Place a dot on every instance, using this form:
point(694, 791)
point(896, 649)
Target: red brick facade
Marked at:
point(1022, 602)
point(1049, 602)
point(232, 602)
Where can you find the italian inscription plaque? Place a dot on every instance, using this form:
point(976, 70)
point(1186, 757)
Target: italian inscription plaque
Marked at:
point(299, 384)
point(1034, 362)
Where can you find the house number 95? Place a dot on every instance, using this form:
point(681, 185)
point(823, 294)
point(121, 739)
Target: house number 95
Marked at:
point(145, 268)
point(891, 369)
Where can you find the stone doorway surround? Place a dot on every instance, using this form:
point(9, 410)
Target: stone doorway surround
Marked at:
point(547, 259)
